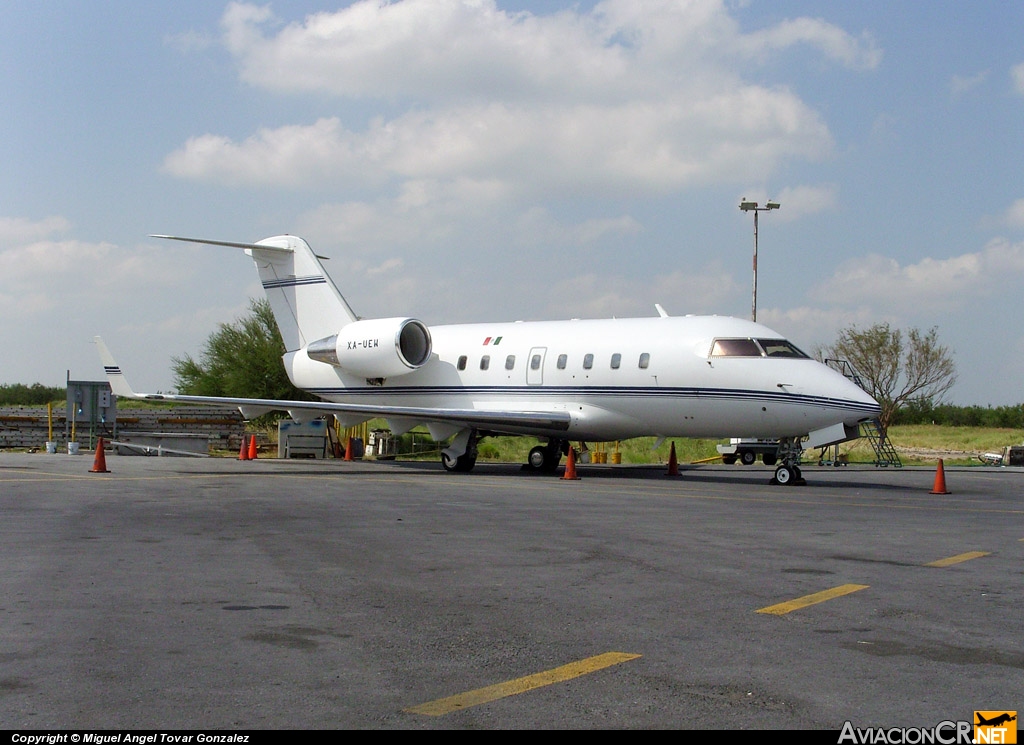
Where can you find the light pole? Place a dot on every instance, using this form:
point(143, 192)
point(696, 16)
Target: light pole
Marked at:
point(748, 206)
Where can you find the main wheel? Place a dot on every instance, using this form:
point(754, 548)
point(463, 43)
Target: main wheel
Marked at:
point(544, 458)
point(784, 474)
point(537, 458)
point(463, 464)
point(748, 457)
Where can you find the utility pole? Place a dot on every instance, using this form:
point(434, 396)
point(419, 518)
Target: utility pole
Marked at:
point(748, 206)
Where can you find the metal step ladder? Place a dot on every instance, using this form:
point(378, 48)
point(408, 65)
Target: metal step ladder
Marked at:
point(885, 453)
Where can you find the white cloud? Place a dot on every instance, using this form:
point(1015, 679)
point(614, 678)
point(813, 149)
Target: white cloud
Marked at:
point(652, 146)
point(538, 226)
point(1017, 76)
point(16, 230)
point(929, 285)
point(809, 326)
point(629, 95)
point(447, 222)
point(856, 53)
point(698, 290)
point(1014, 216)
point(454, 49)
point(960, 84)
point(287, 156)
point(41, 275)
point(190, 41)
point(798, 201)
point(425, 49)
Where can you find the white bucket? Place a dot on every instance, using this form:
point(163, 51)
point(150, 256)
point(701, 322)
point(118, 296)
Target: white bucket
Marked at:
point(73, 448)
point(51, 447)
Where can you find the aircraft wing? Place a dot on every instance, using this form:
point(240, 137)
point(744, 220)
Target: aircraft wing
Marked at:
point(512, 422)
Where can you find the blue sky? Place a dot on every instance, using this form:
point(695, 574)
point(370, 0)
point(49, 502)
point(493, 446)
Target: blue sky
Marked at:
point(463, 161)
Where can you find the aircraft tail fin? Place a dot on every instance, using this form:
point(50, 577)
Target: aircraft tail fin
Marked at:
point(306, 303)
point(118, 382)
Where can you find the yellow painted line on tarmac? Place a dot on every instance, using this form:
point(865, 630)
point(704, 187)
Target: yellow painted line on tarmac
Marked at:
point(789, 606)
point(959, 558)
point(520, 685)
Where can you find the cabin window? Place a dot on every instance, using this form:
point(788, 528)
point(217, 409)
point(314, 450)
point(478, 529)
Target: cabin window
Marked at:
point(462, 362)
point(616, 361)
point(735, 348)
point(562, 359)
point(780, 348)
point(510, 362)
point(645, 360)
point(588, 361)
point(485, 362)
point(535, 362)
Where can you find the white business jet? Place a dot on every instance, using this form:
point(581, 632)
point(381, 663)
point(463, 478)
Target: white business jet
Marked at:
point(585, 380)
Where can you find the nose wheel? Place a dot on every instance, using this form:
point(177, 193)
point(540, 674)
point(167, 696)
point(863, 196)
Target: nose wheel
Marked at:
point(788, 473)
point(785, 475)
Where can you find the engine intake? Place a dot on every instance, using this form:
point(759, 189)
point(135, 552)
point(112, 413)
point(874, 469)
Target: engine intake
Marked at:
point(375, 348)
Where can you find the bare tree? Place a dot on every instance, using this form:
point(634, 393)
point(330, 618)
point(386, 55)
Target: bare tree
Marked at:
point(895, 370)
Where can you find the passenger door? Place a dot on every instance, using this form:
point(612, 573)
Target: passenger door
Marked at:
point(535, 366)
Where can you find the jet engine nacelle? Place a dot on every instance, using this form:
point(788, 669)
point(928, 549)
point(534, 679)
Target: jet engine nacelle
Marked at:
point(375, 348)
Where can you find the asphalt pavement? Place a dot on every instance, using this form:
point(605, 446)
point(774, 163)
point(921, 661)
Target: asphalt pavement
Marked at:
point(218, 594)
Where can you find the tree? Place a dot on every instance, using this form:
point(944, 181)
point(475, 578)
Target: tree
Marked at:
point(242, 359)
point(897, 371)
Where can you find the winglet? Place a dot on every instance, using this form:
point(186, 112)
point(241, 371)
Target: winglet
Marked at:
point(118, 382)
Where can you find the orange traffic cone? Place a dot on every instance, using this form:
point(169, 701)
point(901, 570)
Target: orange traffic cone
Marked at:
point(243, 452)
point(940, 480)
point(673, 464)
point(252, 448)
point(348, 450)
point(99, 463)
point(570, 467)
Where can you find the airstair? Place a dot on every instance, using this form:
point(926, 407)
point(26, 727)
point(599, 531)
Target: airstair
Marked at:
point(885, 453)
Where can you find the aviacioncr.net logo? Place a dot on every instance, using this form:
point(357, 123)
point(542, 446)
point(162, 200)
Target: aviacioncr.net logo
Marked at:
point(995, 727)
point(943, 733)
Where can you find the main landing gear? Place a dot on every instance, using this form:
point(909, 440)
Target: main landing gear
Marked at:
point(545, 458)
point(463, 464)
point(465, 442)
point(460, 456)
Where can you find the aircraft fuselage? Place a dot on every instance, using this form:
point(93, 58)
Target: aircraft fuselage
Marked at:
point(617, 379)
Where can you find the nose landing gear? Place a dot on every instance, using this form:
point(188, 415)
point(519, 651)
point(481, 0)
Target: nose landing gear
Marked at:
point(788, 473)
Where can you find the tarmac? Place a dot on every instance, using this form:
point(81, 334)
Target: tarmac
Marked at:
point(213, 594)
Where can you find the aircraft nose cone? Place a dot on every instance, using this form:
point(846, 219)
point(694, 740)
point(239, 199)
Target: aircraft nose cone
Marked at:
point(861, 401)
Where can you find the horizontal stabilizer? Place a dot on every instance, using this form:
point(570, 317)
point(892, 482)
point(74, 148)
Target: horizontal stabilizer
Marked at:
point(306, 303)
point(231, 244)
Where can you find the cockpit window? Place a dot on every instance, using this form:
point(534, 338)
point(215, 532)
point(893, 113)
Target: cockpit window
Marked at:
point(755, 348)
point(735, 348)
point(780, 348)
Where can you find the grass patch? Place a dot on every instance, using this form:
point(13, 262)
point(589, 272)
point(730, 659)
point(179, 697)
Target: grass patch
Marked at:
point(924, 444)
